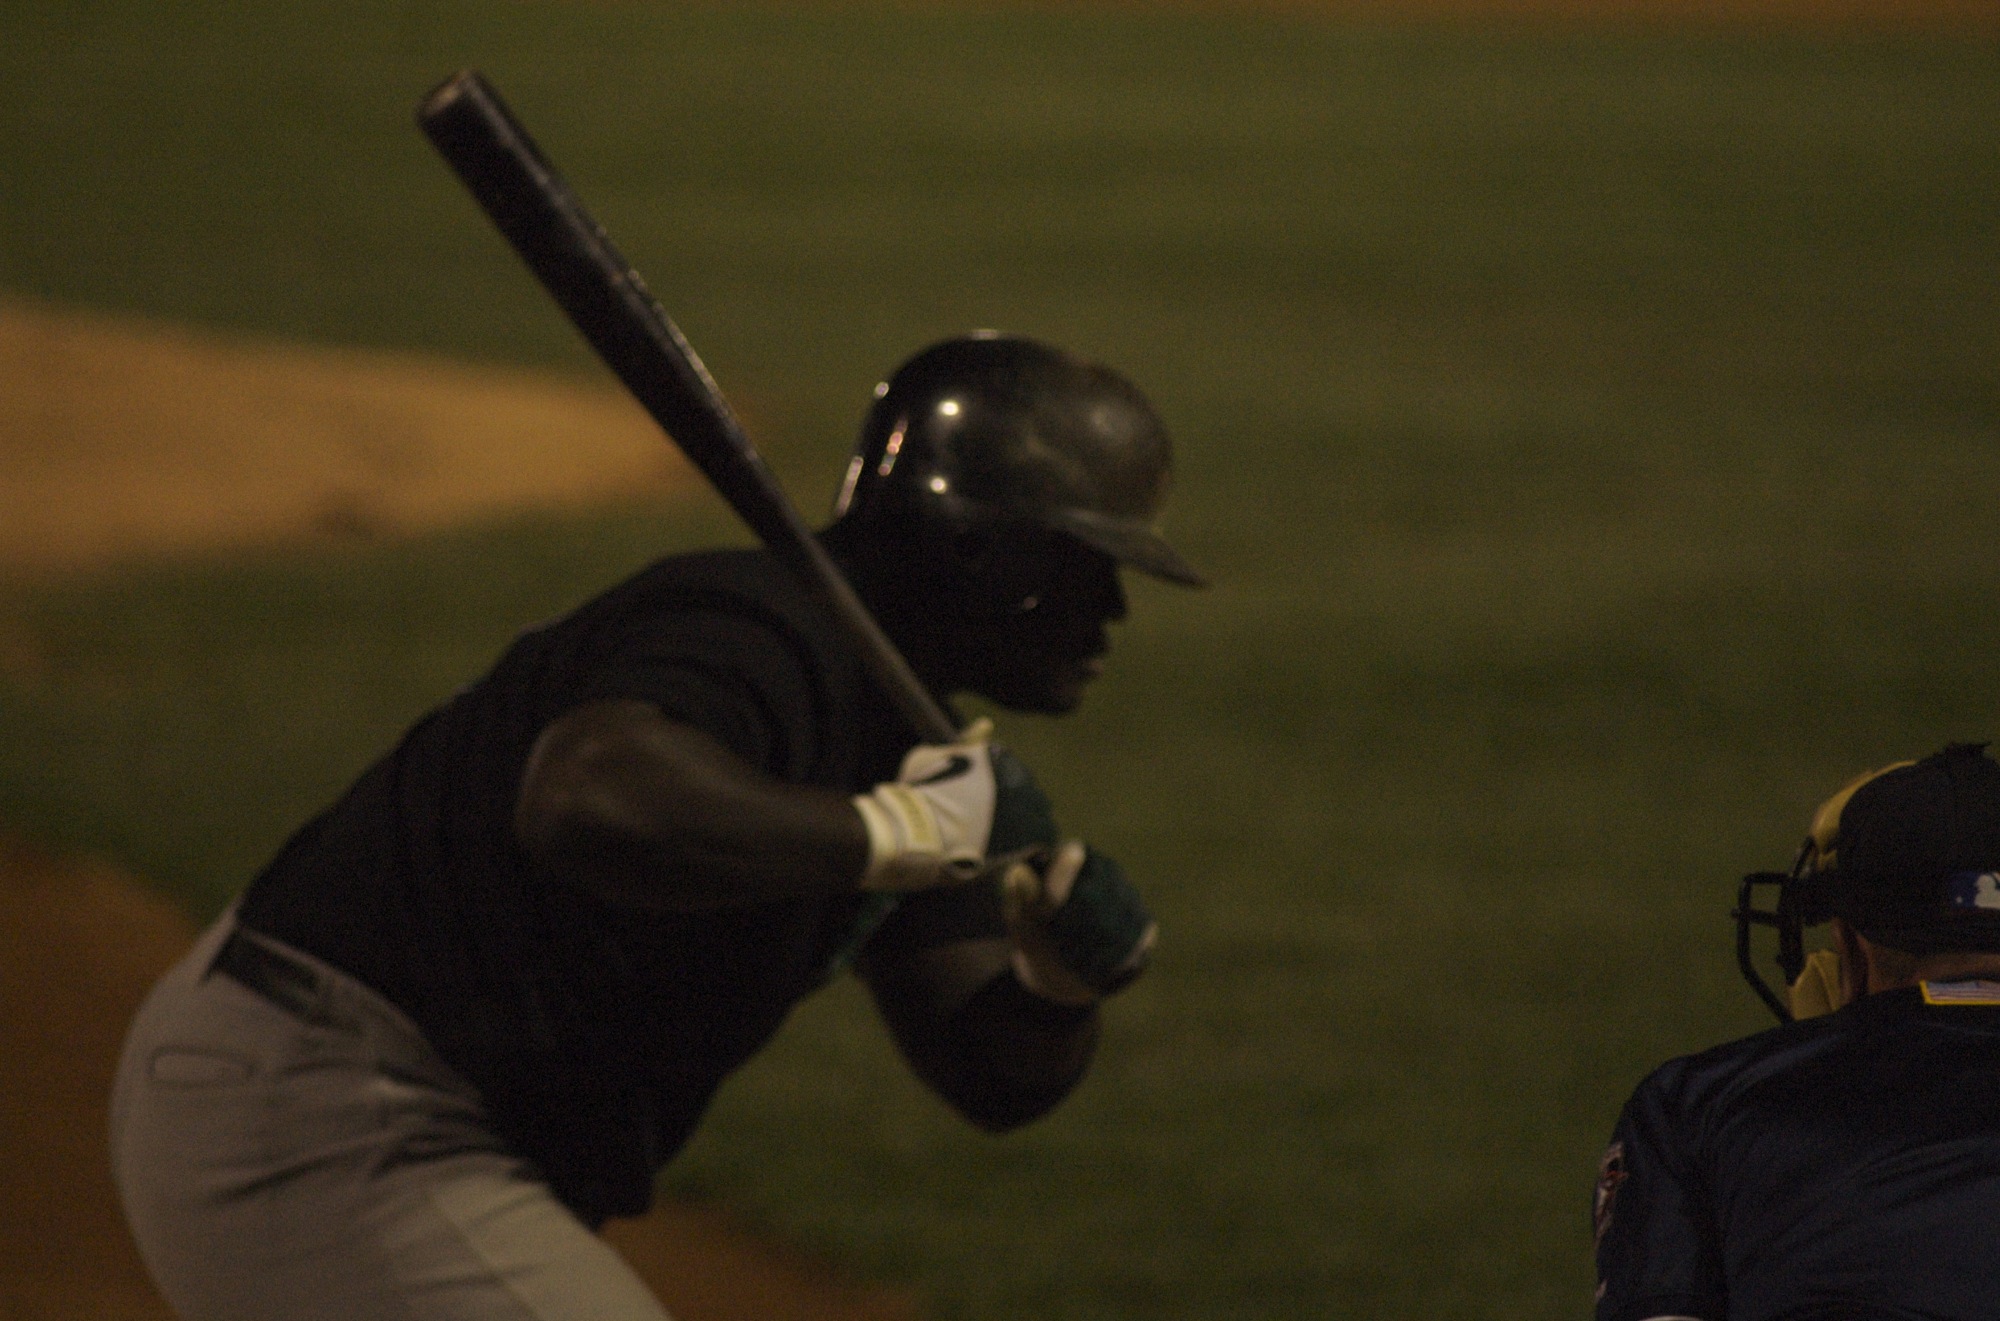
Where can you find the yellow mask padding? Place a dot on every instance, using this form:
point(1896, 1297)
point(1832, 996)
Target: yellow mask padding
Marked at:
point(1817, 991)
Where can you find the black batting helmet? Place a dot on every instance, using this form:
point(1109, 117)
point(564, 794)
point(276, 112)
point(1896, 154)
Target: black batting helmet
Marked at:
point(984, 430)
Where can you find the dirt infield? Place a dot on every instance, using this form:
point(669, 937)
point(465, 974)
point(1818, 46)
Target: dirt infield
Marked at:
point(119, 437)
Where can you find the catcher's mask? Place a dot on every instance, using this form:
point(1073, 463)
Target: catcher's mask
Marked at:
point(999, 438)
point(1908, 855)
point(1801, 898)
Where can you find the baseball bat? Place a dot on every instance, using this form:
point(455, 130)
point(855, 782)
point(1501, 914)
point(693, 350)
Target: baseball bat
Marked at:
point(570, 254)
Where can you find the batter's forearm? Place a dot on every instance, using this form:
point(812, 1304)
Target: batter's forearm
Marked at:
point(653, 813)
point(998, 1053)
point(1009, 1056)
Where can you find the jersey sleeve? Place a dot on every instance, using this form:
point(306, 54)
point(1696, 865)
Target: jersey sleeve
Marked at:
point(740, 677)
point(1658, 1249)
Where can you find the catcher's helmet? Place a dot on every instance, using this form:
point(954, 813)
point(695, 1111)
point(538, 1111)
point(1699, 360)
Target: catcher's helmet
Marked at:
point(1908, 855)
point(986, 430)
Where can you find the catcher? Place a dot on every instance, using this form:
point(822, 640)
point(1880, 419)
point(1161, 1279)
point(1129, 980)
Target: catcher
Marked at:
point(471, 1010)
point(1845, 1165)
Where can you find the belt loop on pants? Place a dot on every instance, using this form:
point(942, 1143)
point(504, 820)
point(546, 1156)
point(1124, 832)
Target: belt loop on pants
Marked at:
point(290, 983)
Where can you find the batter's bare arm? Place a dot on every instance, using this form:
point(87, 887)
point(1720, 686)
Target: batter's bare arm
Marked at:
point(995, 1051)
point(655, 814)
point(652, 813)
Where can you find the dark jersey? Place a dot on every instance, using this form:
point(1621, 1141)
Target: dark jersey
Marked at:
point(1842, 1167)
point(596, 1035)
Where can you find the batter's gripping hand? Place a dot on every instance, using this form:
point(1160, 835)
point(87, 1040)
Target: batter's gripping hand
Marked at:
point(1080, 929)
point(950, 806)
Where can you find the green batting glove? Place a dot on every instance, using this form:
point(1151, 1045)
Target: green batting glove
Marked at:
point(1081, 930)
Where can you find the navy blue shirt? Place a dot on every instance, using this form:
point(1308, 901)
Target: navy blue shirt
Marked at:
point(1846, 1166)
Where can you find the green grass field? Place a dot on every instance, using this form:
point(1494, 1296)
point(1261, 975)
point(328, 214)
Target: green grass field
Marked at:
point(1594, 438)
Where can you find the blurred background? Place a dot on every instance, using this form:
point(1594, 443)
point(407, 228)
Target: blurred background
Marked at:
point(1591, 424)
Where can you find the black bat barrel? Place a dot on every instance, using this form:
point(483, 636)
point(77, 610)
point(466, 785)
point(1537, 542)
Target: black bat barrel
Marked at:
point(568, 251)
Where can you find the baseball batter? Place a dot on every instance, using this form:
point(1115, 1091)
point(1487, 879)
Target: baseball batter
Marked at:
point(1844, 1166)
point(471, 1010)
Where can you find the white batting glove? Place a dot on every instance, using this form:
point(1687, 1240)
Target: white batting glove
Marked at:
point(929, 826)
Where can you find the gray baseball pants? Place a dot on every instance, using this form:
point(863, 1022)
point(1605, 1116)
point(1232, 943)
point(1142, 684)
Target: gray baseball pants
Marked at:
point(320, 1162)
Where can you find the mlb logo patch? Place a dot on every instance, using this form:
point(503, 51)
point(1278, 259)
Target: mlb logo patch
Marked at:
point(1973, 889)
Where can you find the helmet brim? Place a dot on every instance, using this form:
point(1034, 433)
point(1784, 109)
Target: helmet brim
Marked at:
point(1129, 542)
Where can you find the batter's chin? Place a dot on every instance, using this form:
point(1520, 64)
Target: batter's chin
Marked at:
point(1053, 693)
